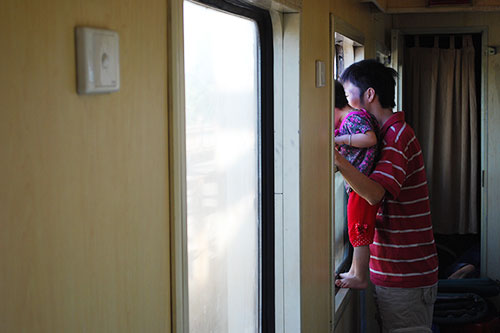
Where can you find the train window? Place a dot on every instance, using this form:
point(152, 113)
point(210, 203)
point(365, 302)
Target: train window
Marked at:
point(341, 238)
point(229, 167)
point(347, 51)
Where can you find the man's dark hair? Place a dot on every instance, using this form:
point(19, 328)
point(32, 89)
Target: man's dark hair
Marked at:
point(372, 74)
point(340, 99)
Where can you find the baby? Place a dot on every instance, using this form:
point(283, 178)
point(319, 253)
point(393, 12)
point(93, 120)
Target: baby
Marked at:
point(356, 138)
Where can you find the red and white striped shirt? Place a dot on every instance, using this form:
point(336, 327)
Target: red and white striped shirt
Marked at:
point(403, 253)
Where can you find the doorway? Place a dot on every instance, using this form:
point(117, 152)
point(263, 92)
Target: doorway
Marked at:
point(444, 106)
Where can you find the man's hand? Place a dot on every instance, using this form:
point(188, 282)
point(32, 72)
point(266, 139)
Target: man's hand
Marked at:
point(339, 159)
point(368, 189)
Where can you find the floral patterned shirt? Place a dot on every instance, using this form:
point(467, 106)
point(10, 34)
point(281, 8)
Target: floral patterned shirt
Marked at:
point(364, 159)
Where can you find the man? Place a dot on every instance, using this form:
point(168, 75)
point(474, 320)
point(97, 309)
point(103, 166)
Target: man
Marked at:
point(403, 260)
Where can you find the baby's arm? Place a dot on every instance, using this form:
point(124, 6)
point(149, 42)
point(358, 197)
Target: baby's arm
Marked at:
point(359, 140)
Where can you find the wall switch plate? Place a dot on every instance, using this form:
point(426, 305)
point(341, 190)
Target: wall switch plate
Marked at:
point(320, 74)
point(98, 61)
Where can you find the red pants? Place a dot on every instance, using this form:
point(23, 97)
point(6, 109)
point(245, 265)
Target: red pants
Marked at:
point(360, 220)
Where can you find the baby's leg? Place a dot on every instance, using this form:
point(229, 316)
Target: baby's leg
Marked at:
point(349, 274)
point(361, 227)
point(352, 269)
point(358, 279)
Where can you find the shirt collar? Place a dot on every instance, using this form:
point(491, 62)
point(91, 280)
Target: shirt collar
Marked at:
point(395, 118)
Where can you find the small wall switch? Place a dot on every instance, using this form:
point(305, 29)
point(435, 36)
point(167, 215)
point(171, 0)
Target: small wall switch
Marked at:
point(320, 74)
point(98, 62)
point(492, 50)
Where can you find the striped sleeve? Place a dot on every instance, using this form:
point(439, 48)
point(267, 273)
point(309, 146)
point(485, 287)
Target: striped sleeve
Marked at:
point(391, 169)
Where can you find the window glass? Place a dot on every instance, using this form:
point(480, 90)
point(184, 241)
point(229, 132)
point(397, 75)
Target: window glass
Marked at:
point(222, 170)
point(341, 238)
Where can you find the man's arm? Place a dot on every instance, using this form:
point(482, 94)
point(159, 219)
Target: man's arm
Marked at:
point(368, 189)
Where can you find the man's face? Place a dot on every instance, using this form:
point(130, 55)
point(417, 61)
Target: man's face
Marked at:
point(352, 95)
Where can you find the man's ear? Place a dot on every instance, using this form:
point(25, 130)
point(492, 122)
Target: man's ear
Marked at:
point(370, 95)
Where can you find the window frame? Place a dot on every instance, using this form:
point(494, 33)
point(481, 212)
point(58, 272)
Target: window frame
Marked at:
point(262, 18)
point(341, 297)
point(347, 32)
point(286, 23)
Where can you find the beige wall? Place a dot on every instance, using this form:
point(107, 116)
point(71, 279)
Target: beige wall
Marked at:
point(315, 147)
point(84, 241)
point(315, 166)
point(492, 22)
point(374, 25)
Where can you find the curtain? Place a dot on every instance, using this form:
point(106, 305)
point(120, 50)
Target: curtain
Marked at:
point(440, 102)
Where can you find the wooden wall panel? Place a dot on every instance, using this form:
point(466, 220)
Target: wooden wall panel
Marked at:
point(373, 24)
point(84, 242)
point(314, 170)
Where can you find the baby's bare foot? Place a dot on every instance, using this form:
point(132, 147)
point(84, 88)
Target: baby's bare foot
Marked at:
point(350, 281)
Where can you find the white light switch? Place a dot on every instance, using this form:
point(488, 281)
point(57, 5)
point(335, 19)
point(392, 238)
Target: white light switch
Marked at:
point(320, 74)
point(98, 61)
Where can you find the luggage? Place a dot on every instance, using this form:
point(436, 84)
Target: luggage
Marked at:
point(462, 306)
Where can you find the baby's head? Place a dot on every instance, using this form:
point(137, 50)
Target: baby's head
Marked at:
point(340, 99)
point(340, 102)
